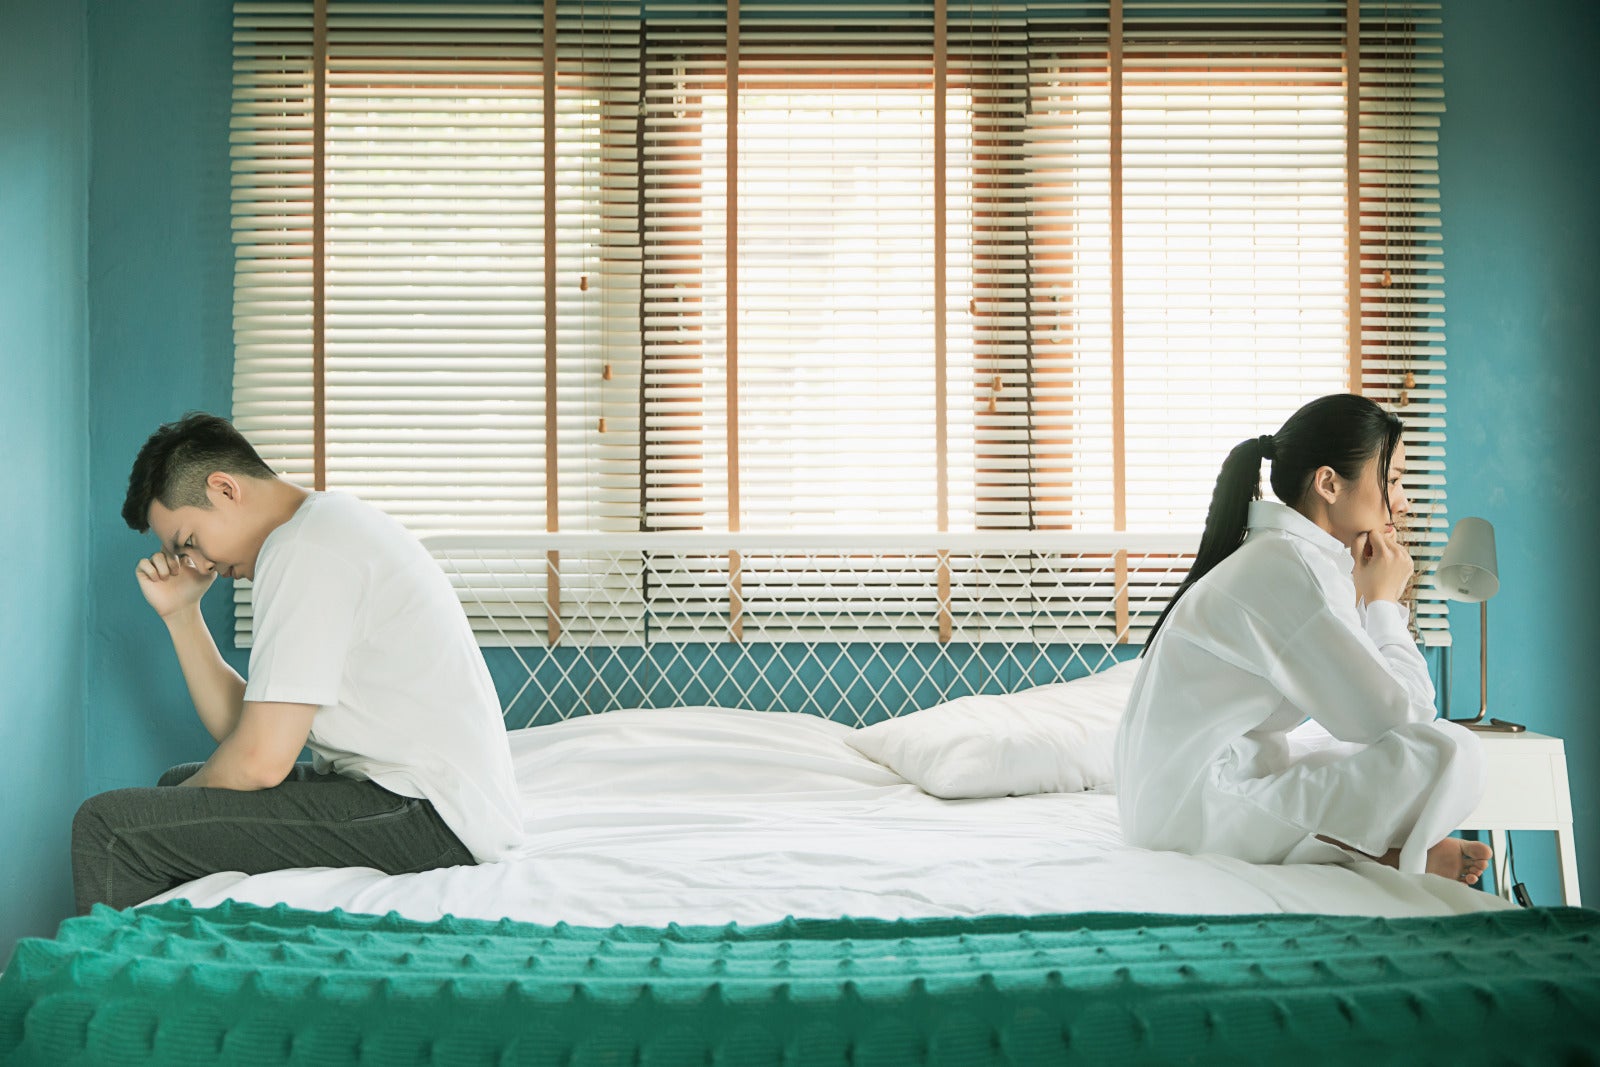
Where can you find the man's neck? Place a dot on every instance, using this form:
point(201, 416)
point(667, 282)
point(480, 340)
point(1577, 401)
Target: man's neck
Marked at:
point(283, 500)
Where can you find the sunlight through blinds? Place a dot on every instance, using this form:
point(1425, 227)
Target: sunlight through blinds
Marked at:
point(1235, 264)
point(435, 258)
point(1233, 222)
point(835, 275)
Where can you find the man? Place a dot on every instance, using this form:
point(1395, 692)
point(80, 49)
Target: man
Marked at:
point(361, 652)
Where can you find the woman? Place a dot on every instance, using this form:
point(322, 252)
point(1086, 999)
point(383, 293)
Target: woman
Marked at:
point(1293, 611)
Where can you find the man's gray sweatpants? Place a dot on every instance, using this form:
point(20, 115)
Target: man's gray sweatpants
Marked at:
point(128, 845)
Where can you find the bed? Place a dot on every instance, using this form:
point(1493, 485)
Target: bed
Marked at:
point(707, 884)
point(712, 815)
point(737, 887)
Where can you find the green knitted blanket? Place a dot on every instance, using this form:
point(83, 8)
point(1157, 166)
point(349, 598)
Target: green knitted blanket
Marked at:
point(171, 984)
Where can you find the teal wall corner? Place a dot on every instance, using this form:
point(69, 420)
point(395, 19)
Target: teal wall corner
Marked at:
point(161, 311)
point(44, 159)
point(1521, 223)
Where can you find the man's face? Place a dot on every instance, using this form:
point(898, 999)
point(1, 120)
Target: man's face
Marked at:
point(223, 539)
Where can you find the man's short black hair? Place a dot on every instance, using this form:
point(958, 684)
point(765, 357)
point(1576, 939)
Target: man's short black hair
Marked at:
point(174, 464)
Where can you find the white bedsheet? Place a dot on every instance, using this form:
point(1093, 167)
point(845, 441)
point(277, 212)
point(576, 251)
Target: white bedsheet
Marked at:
point(707, 816)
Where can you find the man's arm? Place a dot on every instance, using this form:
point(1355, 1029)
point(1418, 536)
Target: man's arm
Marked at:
point(174, 590)
point(216, 688)
point(260, 751)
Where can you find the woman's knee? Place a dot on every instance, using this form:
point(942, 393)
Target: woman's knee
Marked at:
point(1446, 738)
point(1443, 747)
point(1465, 748)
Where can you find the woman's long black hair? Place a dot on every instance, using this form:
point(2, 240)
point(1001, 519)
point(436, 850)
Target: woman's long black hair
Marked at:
point(1342, 431)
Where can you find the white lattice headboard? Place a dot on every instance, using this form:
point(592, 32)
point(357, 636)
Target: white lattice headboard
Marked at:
point(855, 628)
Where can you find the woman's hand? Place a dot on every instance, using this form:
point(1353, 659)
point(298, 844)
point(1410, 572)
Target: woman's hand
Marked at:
point(170, 586)
point(1383, 566)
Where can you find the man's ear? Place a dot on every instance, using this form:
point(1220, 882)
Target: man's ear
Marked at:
point(1326, 483)
point(225, 485)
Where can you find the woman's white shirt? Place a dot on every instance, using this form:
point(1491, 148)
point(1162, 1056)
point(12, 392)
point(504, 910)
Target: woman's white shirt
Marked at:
point(1272, 636)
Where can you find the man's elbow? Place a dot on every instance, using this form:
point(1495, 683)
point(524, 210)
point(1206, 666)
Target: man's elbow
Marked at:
point(264, 770)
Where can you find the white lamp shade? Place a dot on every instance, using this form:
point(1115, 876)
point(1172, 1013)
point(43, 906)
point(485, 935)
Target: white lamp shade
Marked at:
point(1468, 570)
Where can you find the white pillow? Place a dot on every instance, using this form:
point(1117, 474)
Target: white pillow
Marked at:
point(1049, 739)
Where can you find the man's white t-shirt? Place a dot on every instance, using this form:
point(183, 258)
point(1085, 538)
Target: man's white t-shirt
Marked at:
point(353, 615)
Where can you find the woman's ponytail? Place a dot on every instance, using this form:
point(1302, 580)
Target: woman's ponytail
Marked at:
point(1343, 431)
point(1237, 485)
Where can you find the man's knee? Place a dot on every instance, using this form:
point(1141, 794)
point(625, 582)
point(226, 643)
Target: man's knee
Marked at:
point(102, 863)
point(104, 815)
point(179, 774)
point(93, 822)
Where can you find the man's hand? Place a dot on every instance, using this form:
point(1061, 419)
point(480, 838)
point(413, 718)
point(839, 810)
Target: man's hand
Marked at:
point(1383, 566)
point(170, 586)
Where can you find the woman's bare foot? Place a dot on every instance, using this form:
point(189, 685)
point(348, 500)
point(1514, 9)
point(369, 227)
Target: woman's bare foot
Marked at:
point(1464, 861)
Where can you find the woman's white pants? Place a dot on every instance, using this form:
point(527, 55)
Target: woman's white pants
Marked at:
point(1408, 790)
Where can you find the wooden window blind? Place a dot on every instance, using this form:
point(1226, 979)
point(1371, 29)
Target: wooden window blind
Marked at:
point(477, 323)
point(1149, 248)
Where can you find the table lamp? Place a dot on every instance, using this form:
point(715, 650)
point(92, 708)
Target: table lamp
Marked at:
point(1468, 572)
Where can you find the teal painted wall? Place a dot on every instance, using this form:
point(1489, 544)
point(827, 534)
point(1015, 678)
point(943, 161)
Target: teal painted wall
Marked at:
point(160, 307)
point(44, 155)
point(1520, 273)
point(1522, 284)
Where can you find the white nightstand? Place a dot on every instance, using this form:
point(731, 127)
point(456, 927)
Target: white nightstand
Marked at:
point(1526, 790)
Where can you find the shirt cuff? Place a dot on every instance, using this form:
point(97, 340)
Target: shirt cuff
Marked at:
point(1385, 621)
point(269, 693)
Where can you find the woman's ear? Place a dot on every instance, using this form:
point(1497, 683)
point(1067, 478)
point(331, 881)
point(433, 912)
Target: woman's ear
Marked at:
point(1326, 484)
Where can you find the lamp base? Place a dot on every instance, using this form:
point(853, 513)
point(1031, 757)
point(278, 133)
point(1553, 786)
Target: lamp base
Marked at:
point(1498, 726)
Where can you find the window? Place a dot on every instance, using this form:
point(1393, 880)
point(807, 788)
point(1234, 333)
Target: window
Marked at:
point(527, 319)
point(838, 411)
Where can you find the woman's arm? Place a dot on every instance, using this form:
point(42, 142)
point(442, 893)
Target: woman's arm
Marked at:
point(1357, 682)
point(1385, 622)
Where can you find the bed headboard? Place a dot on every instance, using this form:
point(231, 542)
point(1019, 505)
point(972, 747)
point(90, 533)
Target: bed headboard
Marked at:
point(851, 627)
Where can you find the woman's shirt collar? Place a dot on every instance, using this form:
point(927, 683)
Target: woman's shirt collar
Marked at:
point(1271, 515)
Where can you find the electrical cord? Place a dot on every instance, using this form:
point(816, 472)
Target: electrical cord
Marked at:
point(1519, 892)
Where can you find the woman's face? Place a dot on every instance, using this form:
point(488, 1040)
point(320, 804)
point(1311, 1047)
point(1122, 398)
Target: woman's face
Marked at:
point(1361, 507)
